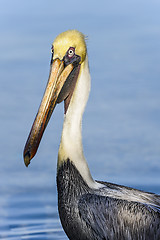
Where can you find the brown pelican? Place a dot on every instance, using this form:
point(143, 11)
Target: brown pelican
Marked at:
point(88, 209)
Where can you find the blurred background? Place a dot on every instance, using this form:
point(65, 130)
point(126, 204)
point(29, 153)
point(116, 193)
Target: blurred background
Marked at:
point(121, 124)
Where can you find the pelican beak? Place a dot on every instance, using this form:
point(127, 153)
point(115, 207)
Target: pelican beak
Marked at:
point(60, 87)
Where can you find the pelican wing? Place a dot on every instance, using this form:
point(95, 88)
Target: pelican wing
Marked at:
point(111, 218)
point(150, 200)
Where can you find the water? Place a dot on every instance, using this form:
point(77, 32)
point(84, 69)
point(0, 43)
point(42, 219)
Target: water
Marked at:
point(121, 127)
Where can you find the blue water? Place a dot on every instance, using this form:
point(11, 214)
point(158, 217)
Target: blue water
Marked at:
point(121, 126)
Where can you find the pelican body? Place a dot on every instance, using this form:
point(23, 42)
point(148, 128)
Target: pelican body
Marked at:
point(88, 209)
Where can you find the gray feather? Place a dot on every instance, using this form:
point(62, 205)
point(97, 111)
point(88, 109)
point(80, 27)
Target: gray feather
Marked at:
point(112, 212)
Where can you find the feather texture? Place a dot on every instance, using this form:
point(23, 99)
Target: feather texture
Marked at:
point(91, 214)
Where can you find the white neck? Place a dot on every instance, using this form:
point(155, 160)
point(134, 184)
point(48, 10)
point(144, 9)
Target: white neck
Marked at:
point(71, 140)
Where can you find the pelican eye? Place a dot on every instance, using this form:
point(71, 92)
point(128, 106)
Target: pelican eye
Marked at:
point(71, 52)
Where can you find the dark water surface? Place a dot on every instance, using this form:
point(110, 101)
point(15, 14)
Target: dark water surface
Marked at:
point(121, 127)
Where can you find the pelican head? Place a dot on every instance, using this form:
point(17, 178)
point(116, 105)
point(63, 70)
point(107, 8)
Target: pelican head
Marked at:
point(68, 58)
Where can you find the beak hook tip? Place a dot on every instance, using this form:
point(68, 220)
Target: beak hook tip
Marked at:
point(27, 158)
